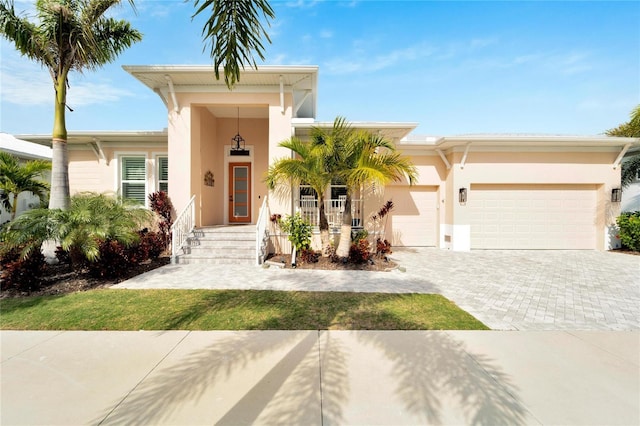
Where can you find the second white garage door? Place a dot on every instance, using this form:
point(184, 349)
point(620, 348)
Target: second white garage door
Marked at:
point(533, 216)
point(414, 220)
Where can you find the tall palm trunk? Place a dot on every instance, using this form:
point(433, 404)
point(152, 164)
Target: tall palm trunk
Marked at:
point(60, 195)
point(324, 228)
point(345, 229)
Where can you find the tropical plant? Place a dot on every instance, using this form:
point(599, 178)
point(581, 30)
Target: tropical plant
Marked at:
point(90, 219)
point(16, 178)
point(69, 35)
point(360, 159)
point(234, 30)
point(299, 231)
point(630, 129)
point(307, 166)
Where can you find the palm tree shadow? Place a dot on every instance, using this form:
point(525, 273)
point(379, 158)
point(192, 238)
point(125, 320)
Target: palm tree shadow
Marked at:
point(434, 373)
point(197, 379)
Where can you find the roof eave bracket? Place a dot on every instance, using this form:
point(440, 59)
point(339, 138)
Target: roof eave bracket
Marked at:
point(616, 163)
point(96, 147)
point(299, 104)
point(443, 158)
point(464, 156)
point(172, 91)
point(282, 95)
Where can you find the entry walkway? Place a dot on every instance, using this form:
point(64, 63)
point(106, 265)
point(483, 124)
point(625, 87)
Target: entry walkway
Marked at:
point(319, 378)
point(506, 290)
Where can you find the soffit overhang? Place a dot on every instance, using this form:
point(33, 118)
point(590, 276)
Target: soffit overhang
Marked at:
point(390, 130)
point(167, 80)
point(135, 138)
point(516, 142)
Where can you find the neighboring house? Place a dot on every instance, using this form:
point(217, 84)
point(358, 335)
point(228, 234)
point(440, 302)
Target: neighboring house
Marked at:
point(631, 194)
point(473, 192)
point(24, 151)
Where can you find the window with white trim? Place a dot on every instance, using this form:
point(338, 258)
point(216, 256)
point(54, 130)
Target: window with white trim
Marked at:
point(162, 173)
point(133, 178)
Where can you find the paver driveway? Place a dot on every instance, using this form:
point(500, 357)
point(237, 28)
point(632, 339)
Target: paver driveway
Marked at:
point(537, 290)
point(507, 290)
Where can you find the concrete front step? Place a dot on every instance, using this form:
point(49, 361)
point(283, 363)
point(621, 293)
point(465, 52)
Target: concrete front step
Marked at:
point(220, 245)
point(188, 259)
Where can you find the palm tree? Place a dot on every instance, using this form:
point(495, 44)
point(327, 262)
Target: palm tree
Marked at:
point(235, 32)
point(367, 159)
point(308, 167)
point(70, 35)
point(16, 178)
point(630, 129)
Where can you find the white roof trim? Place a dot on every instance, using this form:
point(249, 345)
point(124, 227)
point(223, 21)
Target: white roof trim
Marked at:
point(24, 149)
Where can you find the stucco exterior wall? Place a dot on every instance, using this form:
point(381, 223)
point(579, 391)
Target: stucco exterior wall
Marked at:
point(199, 141)
point(87, 173)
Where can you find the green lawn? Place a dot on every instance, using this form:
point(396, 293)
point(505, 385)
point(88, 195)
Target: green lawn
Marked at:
point(233, 310)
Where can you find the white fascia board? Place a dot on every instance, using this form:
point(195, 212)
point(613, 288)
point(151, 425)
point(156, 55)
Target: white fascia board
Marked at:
point(264, 69)
point(106, 137)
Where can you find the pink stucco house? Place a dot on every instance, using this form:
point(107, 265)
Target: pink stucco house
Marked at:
point(473, 191)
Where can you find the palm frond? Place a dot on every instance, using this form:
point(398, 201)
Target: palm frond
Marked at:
point(234, 31)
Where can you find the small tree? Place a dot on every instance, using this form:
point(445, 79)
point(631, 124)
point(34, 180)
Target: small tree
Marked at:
point(16, 178)
point(299, 231)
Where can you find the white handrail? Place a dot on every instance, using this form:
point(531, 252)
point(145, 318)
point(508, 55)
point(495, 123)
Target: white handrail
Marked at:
point(261, 230)
point(182, 227)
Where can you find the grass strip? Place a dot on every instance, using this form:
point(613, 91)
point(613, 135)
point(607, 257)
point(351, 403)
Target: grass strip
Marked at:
point(234, 310)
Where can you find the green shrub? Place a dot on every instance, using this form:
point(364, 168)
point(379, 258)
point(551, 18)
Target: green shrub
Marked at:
point(629, 225)
point(299, 231)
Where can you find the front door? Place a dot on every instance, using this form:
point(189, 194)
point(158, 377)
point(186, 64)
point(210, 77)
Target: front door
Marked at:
point(239, 192)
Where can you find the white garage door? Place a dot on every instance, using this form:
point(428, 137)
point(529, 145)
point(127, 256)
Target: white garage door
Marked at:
point(533, 216)
point(414, 219)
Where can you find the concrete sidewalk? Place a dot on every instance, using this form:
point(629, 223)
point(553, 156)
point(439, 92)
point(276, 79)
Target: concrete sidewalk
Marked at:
point(320, 378)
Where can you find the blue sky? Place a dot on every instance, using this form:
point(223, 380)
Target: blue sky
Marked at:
point(453, 67)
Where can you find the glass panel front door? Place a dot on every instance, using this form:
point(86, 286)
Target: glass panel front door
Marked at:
point(239, 192)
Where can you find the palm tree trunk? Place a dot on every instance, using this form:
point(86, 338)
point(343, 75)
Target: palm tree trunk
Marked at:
point(60, 195)
point(324, 228)
point(345, 230)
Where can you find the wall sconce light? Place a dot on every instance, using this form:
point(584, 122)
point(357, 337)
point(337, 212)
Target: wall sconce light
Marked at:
point(616, 195)
point(462, 195)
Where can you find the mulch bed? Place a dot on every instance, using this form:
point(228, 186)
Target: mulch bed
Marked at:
point(379, 264)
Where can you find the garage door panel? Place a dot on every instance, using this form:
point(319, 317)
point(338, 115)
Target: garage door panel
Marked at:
point(533, 216)
point(414, 220)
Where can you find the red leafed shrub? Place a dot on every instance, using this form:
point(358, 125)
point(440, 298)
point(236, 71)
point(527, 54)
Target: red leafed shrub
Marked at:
point(308, 256)
point(382, 247)
point(162, 206)
point(360, 251)
point(153, 243)
point(112, 262)
point(22, 274)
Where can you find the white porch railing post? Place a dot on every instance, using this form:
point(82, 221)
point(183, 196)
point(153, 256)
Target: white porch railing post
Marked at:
point(182, 227)
point(261, 230)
